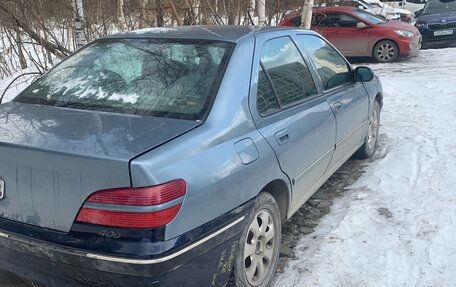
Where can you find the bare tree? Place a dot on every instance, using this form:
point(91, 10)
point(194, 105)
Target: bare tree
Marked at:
point(123, 23)
point(79, 24)
point(306, 17)
point(261, 12)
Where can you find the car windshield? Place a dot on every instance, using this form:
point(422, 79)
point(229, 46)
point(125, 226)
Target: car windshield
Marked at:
point(368, 16)
point(433, 7)
point(162, 78)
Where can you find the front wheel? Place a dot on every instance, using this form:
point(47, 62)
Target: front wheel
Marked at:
point(386, 51)
point(258, 254)
point(370, 141)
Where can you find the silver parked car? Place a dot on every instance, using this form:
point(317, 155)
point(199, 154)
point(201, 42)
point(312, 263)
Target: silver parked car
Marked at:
point(171, 156)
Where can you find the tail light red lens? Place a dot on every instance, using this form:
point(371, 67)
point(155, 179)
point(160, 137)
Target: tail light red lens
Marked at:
point(144, 196)
point(145, 207)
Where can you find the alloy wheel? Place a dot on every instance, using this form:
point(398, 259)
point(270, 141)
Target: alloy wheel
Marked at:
point(373, 130)
point(386, 52)
point(259, 247)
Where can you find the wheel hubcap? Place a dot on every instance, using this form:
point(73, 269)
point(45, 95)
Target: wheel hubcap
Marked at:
point(259, 247)
point(385, 52)
point(373, 130)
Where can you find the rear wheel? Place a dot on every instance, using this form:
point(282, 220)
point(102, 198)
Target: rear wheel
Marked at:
point(386, 51)
point(258, 254)
point(370, 141)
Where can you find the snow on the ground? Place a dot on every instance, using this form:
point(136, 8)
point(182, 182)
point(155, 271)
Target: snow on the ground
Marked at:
point(396, 226)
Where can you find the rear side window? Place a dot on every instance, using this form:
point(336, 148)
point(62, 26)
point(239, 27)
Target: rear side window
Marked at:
point(287, 72)
point(161, 78)
point(333, 70)
point(266, 99)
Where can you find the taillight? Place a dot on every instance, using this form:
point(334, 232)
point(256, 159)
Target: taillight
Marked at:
point(145, 207)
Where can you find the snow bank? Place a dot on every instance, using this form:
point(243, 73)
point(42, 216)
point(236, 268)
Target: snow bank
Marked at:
point(396, 226)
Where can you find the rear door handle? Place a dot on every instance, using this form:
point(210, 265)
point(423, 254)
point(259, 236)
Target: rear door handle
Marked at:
point(282, 136)
point(338, 106)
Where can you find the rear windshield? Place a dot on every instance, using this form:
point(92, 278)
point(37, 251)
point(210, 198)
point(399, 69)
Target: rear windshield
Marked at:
point(368, 16)
point(162, 78)
point(433, 7)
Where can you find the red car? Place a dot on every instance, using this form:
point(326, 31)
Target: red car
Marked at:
point(357, 33)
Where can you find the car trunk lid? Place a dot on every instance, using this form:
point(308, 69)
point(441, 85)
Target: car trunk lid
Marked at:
point(52, 159)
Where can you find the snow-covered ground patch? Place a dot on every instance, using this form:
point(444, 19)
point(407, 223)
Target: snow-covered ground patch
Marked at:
point(396, 226)
point(17, 86)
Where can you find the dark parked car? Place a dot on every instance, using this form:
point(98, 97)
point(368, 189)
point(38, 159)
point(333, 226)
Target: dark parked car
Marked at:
point(357, 33)
point(437, 23)
point(171, 156)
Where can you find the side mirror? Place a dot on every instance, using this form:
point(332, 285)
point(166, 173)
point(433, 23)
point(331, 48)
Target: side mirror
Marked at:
point(418, 13)
point(363, 74)
point(361, 25)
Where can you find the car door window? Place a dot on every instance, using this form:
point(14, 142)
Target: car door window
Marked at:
point(285, 68)
point(332, 68)
point(320, 20)
point(266, 100)
point(343, 21)
point(296, 21)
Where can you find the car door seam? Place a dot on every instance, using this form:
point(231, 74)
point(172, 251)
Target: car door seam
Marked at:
point(296, 179)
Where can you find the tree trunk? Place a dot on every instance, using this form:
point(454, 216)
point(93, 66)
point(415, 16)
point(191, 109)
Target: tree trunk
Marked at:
point(123, 23)
point(20, 53)
point(175, 14)
point(261, 12)
point(306, 17)
point(142, 14)
point(79, 24)
point(160, 16)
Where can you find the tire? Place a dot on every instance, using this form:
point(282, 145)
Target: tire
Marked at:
point(370, 141)
point(385, 51)
point(258, 254)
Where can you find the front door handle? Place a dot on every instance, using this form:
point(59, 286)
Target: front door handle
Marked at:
point(282, 136)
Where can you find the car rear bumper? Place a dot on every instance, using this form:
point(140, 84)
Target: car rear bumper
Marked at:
point(202, 262)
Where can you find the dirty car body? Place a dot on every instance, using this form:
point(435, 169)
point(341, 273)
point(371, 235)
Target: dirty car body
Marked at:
point(138, 160)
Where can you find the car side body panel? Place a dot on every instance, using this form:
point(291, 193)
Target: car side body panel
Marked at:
point(310, 128)
point(206, 157)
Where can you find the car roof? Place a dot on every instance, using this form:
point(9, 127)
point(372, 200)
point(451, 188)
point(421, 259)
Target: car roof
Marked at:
point(334, 9)
point(227, 33)
point(321, 10)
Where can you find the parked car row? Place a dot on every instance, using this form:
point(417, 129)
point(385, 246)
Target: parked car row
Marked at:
point(357, 33)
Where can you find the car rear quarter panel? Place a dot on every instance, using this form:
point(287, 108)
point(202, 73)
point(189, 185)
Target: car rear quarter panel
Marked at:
point(206, 158)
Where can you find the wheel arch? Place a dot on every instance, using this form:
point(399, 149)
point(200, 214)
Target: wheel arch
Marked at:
point(385, 39)
point(379, 99)
point(279, 190)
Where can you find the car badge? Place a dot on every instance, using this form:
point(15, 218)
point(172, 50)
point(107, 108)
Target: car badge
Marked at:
point(2, 189)
point(444, 21)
